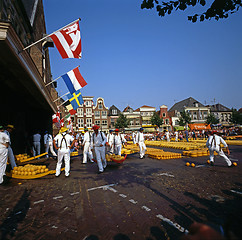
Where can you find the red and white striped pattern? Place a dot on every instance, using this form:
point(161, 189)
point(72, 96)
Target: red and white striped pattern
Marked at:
point(68, 41)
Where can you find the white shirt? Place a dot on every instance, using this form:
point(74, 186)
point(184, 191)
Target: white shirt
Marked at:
point(87, 137)
point(133, 135)
point(119, 139)
point(63, 141)
point(215, 141)
point(110, 138)
point(140, 137)
point(4, 138)
point(7, 132)
point(167, 135)
point(97, 140)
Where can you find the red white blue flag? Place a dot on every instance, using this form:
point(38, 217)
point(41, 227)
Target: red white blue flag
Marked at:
point(74, 80)
point(68, 41)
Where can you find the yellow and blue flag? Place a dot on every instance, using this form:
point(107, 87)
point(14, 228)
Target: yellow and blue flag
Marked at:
point(75, 99)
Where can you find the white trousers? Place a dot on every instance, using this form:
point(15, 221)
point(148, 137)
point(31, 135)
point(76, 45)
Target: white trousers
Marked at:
point(87, 153)
point(118, 149)
point(110, 148)
point(142, 149)
point(36, 148)
point(49, 146)
point(100, 157)
point(220, 152)
point(63, 153)
point(11, 157)
point(3, 162)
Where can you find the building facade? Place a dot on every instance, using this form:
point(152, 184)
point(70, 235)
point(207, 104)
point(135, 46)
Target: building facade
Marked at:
point(146, 113)
point(84, 117)
point(197, 111)
point(133, 117)
point(167, 123)
point(101, 115)
point(113, 115)
point(24, 99)
point(222, 113)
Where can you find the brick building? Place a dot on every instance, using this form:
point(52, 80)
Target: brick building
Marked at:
point(84, 118)
point(24, 100)
point(101, 115)
point(167, 123)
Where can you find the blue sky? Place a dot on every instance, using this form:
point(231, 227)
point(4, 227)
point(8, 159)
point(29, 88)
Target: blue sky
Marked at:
point(134, 57)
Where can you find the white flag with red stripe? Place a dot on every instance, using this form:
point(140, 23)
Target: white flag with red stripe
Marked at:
point(56, 119)
point(68, 41)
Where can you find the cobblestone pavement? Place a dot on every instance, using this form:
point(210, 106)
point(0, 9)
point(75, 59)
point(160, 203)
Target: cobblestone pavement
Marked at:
point(140, 199)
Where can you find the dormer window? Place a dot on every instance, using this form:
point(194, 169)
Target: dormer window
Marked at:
point(195, 104)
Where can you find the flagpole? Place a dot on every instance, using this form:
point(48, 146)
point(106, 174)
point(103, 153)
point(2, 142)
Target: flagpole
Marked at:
point(61, 97)
point(52, 81)
point(63, 102)
point(79, 19)
point(59, 77)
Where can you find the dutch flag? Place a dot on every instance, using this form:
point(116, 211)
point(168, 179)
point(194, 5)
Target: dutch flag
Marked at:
point(74, 80)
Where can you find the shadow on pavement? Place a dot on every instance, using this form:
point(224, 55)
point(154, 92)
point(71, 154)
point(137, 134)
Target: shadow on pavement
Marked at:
point(10, 224)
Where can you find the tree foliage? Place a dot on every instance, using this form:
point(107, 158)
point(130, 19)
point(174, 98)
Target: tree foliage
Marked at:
point(156, 120)
point(211, 119)
point(219, 8)
point(236, 117)
point(184, 119)
point(122, 122)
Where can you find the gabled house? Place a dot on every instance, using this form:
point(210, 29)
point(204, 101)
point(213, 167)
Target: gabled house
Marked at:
point(101, 115)
point(167, 123)
point(113, 115)
point(197, 111)
point(222, 113)
point(146, 113)
point(134, 118)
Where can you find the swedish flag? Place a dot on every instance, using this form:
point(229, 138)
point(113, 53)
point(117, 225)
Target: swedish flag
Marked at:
point(75, 99)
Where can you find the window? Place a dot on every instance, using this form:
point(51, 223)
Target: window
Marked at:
point(100, 106)
point(88, 122)
point(88, 112)
point(97, 114)
point(97, 122)
point(104, 114)
point(104, 123)
point(114, 112)
point(131, 123)
point(167, 121)
point(80, 112)
point(88, 103)
point(164, 114)
point(80, 122)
